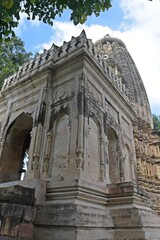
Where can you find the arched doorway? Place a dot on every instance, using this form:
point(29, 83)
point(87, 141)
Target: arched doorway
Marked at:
point(114, 170)
point(17, 145)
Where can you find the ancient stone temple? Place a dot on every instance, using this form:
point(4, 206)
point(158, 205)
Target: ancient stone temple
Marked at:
point(79, 159)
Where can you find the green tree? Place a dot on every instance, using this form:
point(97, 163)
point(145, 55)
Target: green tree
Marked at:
point(12, 56)
point(156, 122)
point(46, 11)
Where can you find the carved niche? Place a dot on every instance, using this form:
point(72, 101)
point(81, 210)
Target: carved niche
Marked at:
point(61, 146)
point(93, 150)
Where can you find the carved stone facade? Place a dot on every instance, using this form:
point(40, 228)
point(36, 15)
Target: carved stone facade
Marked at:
point(77, 141)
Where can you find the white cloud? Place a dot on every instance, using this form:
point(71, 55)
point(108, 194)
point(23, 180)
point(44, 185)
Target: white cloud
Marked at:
point(139, 31)
point(35, 22)
point(63, 31)
point(22, 24)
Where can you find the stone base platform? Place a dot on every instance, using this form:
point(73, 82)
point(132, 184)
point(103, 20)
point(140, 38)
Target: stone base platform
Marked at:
point(123, 214)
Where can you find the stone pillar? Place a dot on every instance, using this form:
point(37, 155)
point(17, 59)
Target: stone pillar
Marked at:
point(36, 154)
point(121, 159)
point(3, 146)
point(47, 153)
point(80, 140)
point(106, 141)
point(31, 150)
point(79, 159)
point(102, 162)
point(132, 169)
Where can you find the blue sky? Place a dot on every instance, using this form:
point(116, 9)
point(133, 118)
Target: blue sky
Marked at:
point(136, 22)
point(35, 33)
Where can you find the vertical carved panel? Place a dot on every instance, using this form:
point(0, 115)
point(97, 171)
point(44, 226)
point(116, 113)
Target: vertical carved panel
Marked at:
point(61, 147)
point(93, 150)
point(81, 113)
point(114, 165)
point(127, 165)
point(47, 153)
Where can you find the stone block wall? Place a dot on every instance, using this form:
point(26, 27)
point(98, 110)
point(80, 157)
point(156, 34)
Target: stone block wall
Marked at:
point(75, 220)
point(17, 213)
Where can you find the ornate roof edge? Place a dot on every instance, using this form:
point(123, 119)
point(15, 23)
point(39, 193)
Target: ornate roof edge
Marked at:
point(50, 58)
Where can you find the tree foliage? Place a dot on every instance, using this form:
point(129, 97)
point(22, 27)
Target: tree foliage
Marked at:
point(46, 11)
point(156, 122)
point(12, 56)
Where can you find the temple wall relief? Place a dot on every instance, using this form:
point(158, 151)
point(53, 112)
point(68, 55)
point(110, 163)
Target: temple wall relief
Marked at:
point(93, 161)
point(61, 147)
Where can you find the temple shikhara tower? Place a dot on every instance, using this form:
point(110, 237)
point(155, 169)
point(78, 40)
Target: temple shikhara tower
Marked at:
point(79, 159)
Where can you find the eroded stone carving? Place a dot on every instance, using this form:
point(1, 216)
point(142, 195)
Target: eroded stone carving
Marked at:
point(61, 154)
point(47, 154)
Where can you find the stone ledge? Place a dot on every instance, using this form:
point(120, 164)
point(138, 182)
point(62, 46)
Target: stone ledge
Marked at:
point(17, 194)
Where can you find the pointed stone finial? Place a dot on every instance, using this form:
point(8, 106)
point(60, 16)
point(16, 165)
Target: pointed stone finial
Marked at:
point(83, 34)
point(107, 35)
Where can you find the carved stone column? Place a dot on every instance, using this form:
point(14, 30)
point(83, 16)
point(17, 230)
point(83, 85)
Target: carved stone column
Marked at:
point(3, 146)
point(31, 151)
point(121, 159)
point(102, 162)
point(81, 109)
point(133, 178)
point(79, 159)
point(106, 159)
point(36, 154)
point(47, 153)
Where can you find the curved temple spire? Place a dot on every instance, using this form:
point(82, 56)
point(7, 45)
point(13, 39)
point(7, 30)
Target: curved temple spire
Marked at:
point(115, 51)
